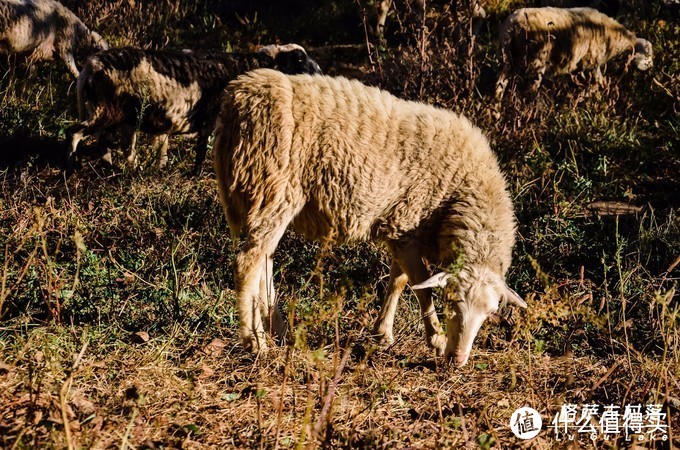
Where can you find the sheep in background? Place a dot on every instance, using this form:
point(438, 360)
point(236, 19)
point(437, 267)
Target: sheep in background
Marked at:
point(45, 28)
point(166, 92)
point(337, 160)
point(608, 7)
point(553, 41)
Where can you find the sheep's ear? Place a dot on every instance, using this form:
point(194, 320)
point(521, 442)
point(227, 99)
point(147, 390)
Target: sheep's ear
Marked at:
point(271, 50)
point(438, 280)
point(513, 298)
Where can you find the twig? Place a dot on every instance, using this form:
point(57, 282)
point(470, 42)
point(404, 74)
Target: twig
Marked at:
point(63, 393)
point(124, 444)
point(328, 399)
point(283, 393)
point(466, 436)
point(606, 375)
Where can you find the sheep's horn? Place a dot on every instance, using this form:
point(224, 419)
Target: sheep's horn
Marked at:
point(438, 280)
point(513, 298)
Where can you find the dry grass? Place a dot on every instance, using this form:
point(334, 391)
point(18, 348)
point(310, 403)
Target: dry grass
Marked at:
point(118, 326)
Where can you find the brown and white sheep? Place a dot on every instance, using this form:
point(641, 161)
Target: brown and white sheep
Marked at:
point(45, 29)
point(540, 42)
point(167, 92)
point(336, 160)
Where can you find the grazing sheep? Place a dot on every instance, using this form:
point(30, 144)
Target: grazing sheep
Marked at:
point(554, 41)
point(337, 160)
point(45, 28)
point(608, 7)
point(166, 92)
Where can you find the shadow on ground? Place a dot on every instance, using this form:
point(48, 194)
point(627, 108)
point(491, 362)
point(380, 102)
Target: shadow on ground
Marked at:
point(20, 150)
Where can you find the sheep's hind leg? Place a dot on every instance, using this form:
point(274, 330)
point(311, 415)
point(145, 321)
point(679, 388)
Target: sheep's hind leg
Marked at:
point(383, 328)
point(269, 301)
point(201, 150)
point(251, 265)
point(412, 263)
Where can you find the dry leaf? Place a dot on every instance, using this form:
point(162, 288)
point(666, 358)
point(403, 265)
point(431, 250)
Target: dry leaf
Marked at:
point(97, 423)
point(206, 372)
point(83, 405)
point(215, 348)
point(140, 337)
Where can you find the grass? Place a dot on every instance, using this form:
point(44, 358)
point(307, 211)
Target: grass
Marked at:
point(118, 324)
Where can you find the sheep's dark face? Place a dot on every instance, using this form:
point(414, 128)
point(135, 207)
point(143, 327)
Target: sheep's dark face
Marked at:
point(472, 297)
point(296, 61)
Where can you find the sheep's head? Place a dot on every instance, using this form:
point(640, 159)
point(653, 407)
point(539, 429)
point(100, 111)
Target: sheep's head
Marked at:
point(642, 58)
point(97, 42)
point(88, 42)
point(291, 59)
point(472, 295)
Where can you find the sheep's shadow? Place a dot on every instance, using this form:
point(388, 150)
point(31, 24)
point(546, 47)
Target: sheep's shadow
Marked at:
point(20, 150)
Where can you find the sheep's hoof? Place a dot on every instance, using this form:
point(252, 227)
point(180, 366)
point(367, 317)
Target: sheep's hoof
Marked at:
point(106, 157)
point(437, 342)
point(383, 340)
point(254, 344)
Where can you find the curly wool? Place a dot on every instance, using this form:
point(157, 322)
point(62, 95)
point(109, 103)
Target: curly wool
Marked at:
point(351, 162)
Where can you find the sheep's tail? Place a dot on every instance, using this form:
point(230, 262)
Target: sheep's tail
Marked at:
point(227, 139)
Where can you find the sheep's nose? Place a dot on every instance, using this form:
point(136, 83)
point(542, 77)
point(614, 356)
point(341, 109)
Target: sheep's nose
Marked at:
point(460, 359)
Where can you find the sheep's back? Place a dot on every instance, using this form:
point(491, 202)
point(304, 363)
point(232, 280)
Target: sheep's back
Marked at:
point(562, 39)
point(358, 162)
point(174, 92)
point(23, 23)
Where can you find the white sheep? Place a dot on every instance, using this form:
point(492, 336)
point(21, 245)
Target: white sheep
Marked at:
point(167, 92)
point(45, 28)
point(337, 160)
point(548, 41)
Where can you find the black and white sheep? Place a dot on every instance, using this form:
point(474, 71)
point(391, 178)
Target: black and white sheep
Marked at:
point(45, 29)
point(336, 160)
point(167, 92)
point(540, 42)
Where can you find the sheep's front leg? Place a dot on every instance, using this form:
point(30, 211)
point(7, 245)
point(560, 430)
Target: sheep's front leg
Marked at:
point(537, 82)
point(129, 140)
point(160, 143)
point(599, 78)
point(383, 328)
point(76, 133)
point(414, 267)
point(70, 62)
